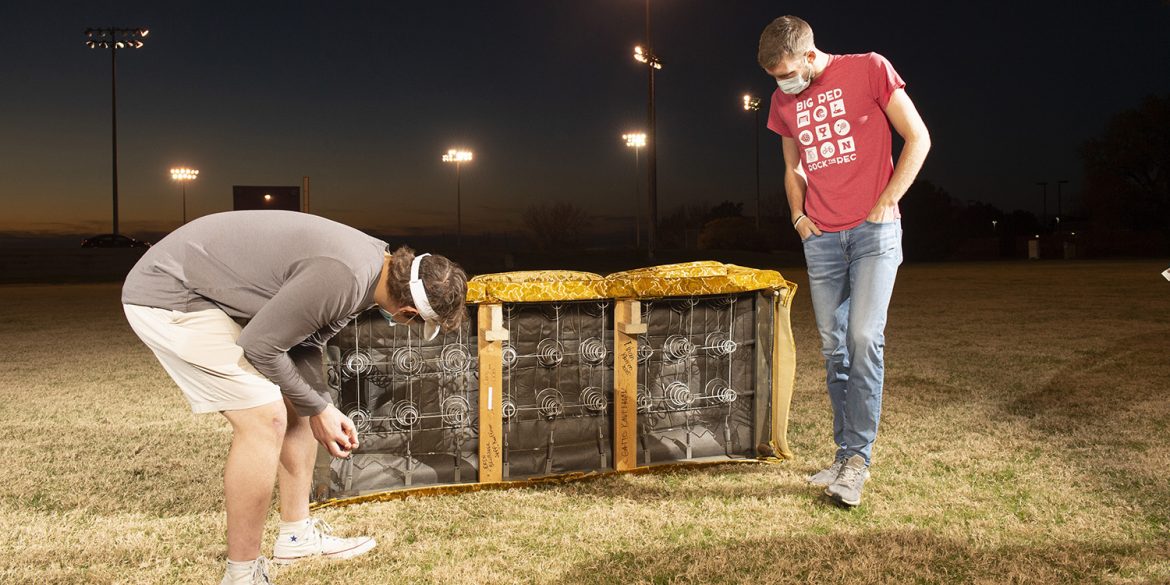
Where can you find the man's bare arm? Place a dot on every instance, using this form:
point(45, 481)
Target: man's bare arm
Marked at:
point(795, 187)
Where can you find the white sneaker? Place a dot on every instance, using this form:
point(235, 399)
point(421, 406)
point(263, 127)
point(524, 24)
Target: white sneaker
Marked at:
point(314, 538)
point(256, 574)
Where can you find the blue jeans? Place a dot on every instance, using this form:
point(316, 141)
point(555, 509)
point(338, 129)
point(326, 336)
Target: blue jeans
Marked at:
point(851, 277)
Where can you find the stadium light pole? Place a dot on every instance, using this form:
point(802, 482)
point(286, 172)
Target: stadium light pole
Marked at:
point(636, 140)
point(114, 39)
point(183, 175)
point(751, 103)
point(647, 57)
point(458, 157)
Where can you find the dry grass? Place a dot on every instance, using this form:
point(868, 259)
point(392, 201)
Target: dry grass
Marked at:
point(1025, 439)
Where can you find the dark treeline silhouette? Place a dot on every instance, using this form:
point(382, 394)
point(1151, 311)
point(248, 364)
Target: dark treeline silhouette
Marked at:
point(1127, 180)
point(1125, 211)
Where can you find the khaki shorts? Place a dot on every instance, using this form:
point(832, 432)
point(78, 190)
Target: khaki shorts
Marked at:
point(199, 351)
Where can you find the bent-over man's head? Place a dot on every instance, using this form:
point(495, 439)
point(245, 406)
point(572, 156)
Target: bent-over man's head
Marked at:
point(437, 294)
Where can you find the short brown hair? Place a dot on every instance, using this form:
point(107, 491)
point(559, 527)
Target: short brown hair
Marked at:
point(444, 280)
point(787, 36)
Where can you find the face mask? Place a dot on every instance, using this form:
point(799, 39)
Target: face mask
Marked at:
point(795, 84)
point(388, 316)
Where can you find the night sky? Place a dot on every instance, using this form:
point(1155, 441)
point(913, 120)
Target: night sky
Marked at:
point(365, 97)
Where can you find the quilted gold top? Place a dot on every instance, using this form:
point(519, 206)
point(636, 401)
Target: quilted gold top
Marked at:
point(534, 286)
point(703, 277)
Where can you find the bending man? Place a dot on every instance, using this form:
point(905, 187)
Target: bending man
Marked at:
point(294, 280)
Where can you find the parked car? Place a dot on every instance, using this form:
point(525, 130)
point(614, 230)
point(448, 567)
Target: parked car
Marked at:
point(113, 241)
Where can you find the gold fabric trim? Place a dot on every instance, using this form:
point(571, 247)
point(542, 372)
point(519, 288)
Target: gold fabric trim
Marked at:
point(564, 478)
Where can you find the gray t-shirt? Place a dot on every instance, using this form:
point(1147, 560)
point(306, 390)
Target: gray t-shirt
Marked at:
point(297, 279)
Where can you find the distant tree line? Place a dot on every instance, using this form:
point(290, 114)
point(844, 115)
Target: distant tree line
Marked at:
point(1126, 210)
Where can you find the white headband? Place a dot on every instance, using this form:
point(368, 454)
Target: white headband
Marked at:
point(419, 293)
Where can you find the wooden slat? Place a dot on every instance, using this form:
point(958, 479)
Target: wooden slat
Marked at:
point(491, 420)
point(627, 325)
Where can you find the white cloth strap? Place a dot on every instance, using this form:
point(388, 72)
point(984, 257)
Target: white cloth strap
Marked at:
point(419, 293)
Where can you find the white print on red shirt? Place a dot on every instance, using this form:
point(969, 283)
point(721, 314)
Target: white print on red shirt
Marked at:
point(832, 145)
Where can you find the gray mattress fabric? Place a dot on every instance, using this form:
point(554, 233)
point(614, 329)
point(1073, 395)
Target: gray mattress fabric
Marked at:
point(704, 391)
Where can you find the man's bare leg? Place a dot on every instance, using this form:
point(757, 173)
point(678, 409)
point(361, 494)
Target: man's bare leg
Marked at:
point(248, 478)
point(298, 454)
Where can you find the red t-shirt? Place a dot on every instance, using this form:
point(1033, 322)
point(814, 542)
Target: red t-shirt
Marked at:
point(840, 127)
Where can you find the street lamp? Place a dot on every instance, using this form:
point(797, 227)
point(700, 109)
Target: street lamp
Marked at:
point(182, 175)
point(636, 140)
point(458, 157)
point(751, 103)
point(653, 63)
point(114, 39)
point(647, 58)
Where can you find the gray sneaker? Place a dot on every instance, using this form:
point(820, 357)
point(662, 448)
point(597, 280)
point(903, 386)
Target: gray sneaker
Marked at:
point(847, 488)
point(827, 476)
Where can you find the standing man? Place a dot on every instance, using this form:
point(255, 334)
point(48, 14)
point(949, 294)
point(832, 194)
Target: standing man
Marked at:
point(833, 114)
point(295, 280)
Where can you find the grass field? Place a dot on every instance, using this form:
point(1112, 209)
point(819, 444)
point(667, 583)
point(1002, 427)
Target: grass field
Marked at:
point(1025, 439)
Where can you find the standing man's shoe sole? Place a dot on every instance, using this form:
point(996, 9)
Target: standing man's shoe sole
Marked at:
point(841, 500)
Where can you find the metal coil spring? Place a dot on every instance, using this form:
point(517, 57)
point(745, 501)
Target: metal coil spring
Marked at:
point(678, 395)
point(455, 411)
point(550, 402)
point(360, 419)
point(454, 359)
point(355, 361)
point(684, 305)
point(678, 347)
point(595, 309)
point(593, 351)
point(405, 415)
point(509, 355)
point(549, 352)
point(593, 398)
point(645, 401)
point(645, 352)
point(717, 390)
point(552, 311)
point(718, 345)
point(509, 409)
point(407, 361)
point(723, 302)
